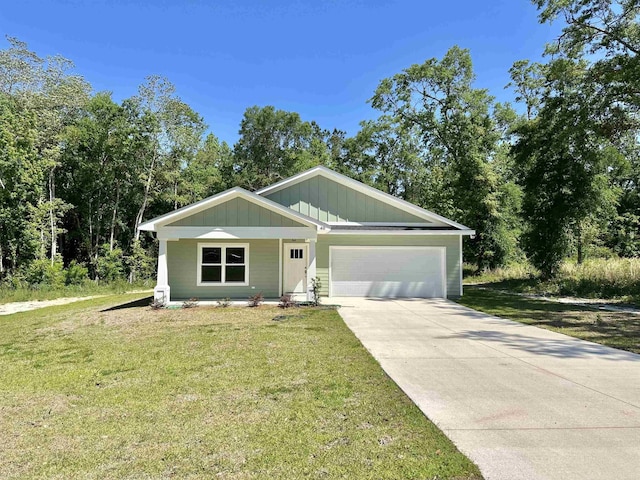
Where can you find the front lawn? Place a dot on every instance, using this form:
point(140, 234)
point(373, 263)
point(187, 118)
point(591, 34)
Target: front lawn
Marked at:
point(87, 392)
point(617, 330)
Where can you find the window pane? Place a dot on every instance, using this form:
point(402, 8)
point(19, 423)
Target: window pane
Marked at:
point(211, 274)
point(291, 253)
point(300, 253)
point(234, 274)
point(212, 255)
point(235, 255)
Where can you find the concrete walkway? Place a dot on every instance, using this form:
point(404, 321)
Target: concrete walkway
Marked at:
point(521, 402)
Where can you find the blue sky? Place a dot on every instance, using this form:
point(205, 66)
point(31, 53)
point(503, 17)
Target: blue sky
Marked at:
point(322, 59)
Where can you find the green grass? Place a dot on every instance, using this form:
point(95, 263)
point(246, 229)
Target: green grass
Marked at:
point(617, 330)
point(615, 278)
point(10, 294)
point(87, 392)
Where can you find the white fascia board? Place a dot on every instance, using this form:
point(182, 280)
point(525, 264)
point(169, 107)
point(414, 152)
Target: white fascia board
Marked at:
point(402, 232)
point(229, 233)
point(362, 188)
point(382, 224)
point(155, 223)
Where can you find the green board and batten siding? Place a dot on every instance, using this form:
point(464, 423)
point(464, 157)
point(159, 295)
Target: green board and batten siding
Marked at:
point(329, 201)
point(451, 242)
point(182, 263)
point(236, 212)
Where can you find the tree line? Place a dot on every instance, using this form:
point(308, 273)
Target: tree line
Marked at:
point(554, 176)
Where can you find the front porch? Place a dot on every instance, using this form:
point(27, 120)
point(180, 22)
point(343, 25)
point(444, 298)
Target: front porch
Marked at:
point(215, 263)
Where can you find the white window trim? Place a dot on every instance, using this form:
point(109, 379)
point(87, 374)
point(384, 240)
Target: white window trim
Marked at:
point(223, 264)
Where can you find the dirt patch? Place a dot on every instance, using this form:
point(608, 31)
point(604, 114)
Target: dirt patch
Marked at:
point(17, 307)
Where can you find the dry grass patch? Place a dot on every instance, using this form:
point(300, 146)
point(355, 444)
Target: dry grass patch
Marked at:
point(93, 392)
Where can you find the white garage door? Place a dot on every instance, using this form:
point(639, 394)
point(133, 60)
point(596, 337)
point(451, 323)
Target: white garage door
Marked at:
point(387, 272)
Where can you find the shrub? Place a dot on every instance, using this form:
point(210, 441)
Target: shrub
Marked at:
point(224, 302)
point(316, 285)
point(76, 274)
point(110, 264)
point(286, 301)
point(43, 272)
point(157, 304)
point(191, 303)
point(141, 265)
point(256, 300)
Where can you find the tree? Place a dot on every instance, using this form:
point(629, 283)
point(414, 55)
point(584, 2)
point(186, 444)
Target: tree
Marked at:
point(562, 166)
point(459, 138)
point(203, 174)
point(275, 144)
point(382, 154)
point(49, 90)
point(606, 35)
point(570, 155)
point(527, 79)
point(22, 180)
point(96, 176)
point(172, 132)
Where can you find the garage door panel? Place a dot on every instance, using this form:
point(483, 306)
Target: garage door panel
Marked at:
point(387, 271)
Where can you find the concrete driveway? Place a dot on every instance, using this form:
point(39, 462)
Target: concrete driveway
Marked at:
point(520, 401)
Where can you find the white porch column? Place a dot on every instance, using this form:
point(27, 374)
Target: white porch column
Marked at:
point(311, 268)
point(280, 267)
point(162, 292)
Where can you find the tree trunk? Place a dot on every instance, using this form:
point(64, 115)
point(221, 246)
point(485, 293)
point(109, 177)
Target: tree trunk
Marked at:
point(580, 247)
point(113, 218)
point(145, 200)
point(175, 195)
point(52, 216)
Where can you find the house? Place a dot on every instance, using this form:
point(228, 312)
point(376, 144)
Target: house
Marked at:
point(357, 240)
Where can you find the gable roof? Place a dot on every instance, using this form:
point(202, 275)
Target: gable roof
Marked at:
point(362, 188)
point(153, 224)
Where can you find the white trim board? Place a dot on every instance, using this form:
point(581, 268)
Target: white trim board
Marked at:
point(239, 233)
point(401, 232)
point(362, 188)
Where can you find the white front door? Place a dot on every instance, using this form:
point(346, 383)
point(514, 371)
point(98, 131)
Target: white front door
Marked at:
point(295, 267)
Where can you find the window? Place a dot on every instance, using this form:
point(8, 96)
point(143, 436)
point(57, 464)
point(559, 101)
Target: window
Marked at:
point(296, 253)
point(223, 264)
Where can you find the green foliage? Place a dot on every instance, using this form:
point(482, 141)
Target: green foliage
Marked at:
point(44, 272)
point(142, 265)
point(460, 134)
point(273, 145)
point(316, 286)
point(76, 274)
point(575, 155)
point(110, 264)
point(594, 278)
